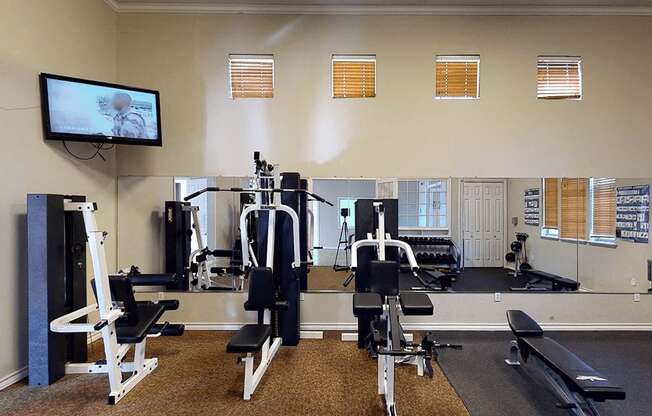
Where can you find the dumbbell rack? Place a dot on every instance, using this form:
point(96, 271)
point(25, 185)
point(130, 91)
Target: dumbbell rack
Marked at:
point(437, 252)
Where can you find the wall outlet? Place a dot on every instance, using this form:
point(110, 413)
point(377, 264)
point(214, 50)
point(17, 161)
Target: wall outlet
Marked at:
point(498, 297)
point(634, 282)
point(637, 297)
point(301, 296)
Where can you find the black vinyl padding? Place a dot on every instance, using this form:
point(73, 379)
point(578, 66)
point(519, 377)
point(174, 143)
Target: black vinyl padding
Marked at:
point(383, 277)
point(250, 338)
point(573, 369)
point(154, 279)
point(564, 362)
point(148, 314)
point(416, 304)
point(370, 304)
point(557, 281)
point(522, 325)
point(262, 289)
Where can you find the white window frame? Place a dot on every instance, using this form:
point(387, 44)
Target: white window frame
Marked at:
point(561, 59)
point(551, 233)
point(354, 58)
point(266, 58)
point(448, 204)
point(458, 58)
point(597, 238)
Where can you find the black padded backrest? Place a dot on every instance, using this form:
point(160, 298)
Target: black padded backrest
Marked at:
point(261, 289)
point(522, 325)
point(383, 277)
point(122, 292)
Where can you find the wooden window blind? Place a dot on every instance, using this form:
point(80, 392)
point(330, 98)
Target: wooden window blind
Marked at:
point(551, 203)
point(573, 208)
point(354, 76)
point(251, 76)
point(559, 77)
point(457, 77)
point(603, 203)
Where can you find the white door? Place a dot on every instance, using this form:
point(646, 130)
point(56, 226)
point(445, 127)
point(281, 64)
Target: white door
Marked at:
point(472, 226)
point(493, 238)
point(482, 224)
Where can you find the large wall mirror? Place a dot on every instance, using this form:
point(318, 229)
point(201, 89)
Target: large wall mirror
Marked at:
point(530, 235)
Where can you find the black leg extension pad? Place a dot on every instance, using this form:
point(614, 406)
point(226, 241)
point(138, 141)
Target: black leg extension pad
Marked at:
point(416, 304)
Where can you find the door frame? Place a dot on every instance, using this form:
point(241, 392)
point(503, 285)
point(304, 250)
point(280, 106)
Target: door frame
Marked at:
point(460, 213)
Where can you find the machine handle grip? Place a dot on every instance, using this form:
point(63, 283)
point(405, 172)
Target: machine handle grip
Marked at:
point(100, 324)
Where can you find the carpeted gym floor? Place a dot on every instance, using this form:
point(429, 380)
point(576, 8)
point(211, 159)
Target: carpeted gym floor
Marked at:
point(197, 377)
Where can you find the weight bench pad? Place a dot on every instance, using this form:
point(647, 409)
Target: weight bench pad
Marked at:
point(416, 304)
point(148, 315)
point(588, 382)
point(367, 304)
point(250, 338)
point(522, 325)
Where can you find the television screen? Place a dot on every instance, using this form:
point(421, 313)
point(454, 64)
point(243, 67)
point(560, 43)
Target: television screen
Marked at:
point(98, 112)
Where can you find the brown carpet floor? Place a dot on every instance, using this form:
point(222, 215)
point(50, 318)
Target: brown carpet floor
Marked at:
point(325, 278)
point(196, 377)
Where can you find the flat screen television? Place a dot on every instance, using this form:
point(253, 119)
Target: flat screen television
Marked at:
point(98, 112)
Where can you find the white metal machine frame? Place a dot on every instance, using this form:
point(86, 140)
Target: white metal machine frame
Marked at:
point(114, 353)
point(386, 362)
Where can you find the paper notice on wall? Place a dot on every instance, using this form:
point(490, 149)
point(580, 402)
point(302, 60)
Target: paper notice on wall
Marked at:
point(633, 213)
point(531, 206)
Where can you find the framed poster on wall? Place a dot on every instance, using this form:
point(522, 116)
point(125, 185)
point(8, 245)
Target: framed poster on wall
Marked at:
point(531, 206)
point(633, 213)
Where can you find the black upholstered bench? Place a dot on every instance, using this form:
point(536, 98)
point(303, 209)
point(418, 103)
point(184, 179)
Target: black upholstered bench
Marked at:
point(558, 283)
point(253, 338)
point(574, 381)
point(250, 338)
point(416, 304)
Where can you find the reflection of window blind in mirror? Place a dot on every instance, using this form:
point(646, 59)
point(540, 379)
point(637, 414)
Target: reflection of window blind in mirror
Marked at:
point(559, 77)
point(573, 208)
point(457, 76)
point(423, 203)
point(603, 205)
point(551, 201)
point(354, 76)
point(252, 76)
point(385, 188)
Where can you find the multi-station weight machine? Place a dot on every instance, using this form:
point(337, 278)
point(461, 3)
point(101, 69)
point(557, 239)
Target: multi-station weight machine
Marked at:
point(274, 260)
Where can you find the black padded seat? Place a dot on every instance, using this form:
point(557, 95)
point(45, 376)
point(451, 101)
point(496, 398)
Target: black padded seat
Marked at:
point(416, 304)
point(585, 379)
point(367, 303)
point(522, 325)
point(148, 314)
point(250, 338)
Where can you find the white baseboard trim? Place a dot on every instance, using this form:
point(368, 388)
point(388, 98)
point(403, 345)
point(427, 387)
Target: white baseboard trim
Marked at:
point(348, 327)
point(12, 378)
point(311, 334)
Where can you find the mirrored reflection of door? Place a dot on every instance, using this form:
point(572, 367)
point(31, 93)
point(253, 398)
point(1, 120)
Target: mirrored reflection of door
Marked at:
point(493, 236)
point(483, 224)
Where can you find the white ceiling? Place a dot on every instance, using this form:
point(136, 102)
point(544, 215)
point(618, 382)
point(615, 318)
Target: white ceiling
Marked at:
point(622, 7)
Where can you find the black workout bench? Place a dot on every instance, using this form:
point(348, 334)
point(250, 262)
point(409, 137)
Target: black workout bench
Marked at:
point(574, 382)
point(259, 337)
point(558, 283)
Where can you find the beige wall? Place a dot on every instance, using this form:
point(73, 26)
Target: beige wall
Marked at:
point(72, 37)
point(403, 132)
